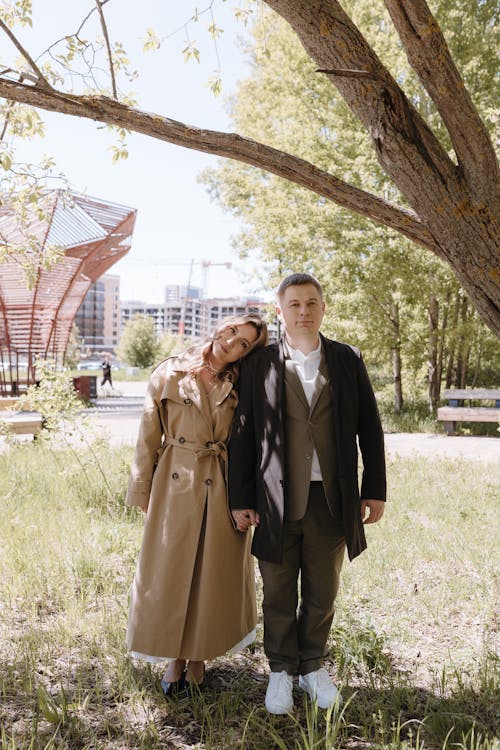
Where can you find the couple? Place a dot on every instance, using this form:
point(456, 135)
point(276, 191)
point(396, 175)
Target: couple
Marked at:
point(296, 412)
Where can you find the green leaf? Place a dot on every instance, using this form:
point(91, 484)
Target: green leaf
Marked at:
point(151, 41)
point(6, 161)
point(215, 85)
point(215, 31)
point(191, 52)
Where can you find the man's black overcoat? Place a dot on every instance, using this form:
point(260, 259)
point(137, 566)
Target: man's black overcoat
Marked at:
point(257, 445)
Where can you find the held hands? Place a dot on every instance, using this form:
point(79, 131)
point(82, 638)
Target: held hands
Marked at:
point(374, 508)
point(245, 518)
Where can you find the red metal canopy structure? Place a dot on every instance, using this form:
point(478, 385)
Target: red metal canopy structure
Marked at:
point(35, 322)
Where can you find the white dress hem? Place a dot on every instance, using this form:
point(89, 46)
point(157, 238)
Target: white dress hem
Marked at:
point(246, 641)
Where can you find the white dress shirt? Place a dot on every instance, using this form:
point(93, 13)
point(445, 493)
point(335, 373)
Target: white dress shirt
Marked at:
point(307, 368)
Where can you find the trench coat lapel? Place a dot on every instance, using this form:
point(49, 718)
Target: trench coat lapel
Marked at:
point(195, 391)
point(223, 391)
point(183, 385)
point(193, 388)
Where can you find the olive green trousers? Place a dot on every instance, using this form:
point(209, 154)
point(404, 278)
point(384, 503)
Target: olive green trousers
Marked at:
point(296, 632)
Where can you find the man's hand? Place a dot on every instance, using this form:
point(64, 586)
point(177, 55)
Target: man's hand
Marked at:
point(245, 518)
point(374, 508)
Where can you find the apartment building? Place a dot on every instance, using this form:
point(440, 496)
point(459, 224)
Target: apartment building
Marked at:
point(194, 318)
point(99, 317)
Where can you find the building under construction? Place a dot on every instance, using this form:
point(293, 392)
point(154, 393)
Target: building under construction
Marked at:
point(35, 321)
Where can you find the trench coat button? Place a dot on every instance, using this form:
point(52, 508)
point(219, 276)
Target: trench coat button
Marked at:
point(182, 439)
point(307, 457)
point(187, 401)
point(208, 481)
point(175, 475)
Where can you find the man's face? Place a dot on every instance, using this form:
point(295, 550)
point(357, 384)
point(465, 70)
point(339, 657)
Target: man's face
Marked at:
point(301, 311)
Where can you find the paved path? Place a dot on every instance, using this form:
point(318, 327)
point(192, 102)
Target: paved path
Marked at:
point(123, 430)
point(119, 414)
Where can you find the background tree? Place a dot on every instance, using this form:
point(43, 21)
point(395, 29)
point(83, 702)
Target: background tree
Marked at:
point(74, 348)
point(445, 176)
point(138, 345)
point(169, 345)
point(385, 293)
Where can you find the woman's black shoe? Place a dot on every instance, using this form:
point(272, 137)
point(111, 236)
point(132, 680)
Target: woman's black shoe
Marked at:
point(174, 689)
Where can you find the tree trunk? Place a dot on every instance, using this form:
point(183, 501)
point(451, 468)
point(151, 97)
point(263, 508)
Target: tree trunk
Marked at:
point(477, 368)
point(396, 360)
point(434, 385)
point(450, 369)
point(463, 350)
point(442, 341)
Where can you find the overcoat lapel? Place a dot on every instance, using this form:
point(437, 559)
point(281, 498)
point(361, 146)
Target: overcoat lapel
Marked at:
point(321, 383)
point(293, 381)
point(331, 364)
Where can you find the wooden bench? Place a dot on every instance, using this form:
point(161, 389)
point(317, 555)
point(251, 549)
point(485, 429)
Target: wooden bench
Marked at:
point(24, 423)
point(457, 412)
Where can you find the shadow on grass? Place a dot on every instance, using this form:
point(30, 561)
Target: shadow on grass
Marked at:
point(89, 706)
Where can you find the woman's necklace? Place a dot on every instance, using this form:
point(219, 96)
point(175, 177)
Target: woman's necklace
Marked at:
point(213, 372)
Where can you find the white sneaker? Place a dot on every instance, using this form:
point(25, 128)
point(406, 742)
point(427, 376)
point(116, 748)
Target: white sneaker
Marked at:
point(320, 688)
point(279, 698)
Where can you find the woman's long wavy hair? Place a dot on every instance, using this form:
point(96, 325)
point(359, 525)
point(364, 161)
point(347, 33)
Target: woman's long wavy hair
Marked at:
point(198, 356)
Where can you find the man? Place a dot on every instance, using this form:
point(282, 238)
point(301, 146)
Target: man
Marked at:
point(304, 404)
point(106, 373)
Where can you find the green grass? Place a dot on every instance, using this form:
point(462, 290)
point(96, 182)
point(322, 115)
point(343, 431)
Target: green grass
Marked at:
point(414, 644)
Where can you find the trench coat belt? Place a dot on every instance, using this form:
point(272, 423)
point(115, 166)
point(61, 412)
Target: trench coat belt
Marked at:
point(201, 450)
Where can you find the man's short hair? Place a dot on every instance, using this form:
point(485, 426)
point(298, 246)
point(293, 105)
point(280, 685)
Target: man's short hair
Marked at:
point(298, 279)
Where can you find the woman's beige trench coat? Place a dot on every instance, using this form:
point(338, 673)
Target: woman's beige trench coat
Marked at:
point(193, 595)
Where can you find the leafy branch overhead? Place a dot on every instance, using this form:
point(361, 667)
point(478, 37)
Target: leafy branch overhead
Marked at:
point(450, 196)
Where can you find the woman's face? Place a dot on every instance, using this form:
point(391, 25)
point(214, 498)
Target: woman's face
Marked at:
point(232, 343)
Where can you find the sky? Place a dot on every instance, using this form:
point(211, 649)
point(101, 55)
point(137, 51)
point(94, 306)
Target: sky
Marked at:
point(177, 227)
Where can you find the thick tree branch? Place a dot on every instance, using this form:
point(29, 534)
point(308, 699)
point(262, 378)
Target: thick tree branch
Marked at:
point(403, 141)
point(228, 145)
point(430, 57)
point(405, 145)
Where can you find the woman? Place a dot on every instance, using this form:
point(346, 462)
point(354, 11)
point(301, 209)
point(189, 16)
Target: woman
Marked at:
point(193, 595)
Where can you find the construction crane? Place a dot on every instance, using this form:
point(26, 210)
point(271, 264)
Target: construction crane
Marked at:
point(205, 266)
